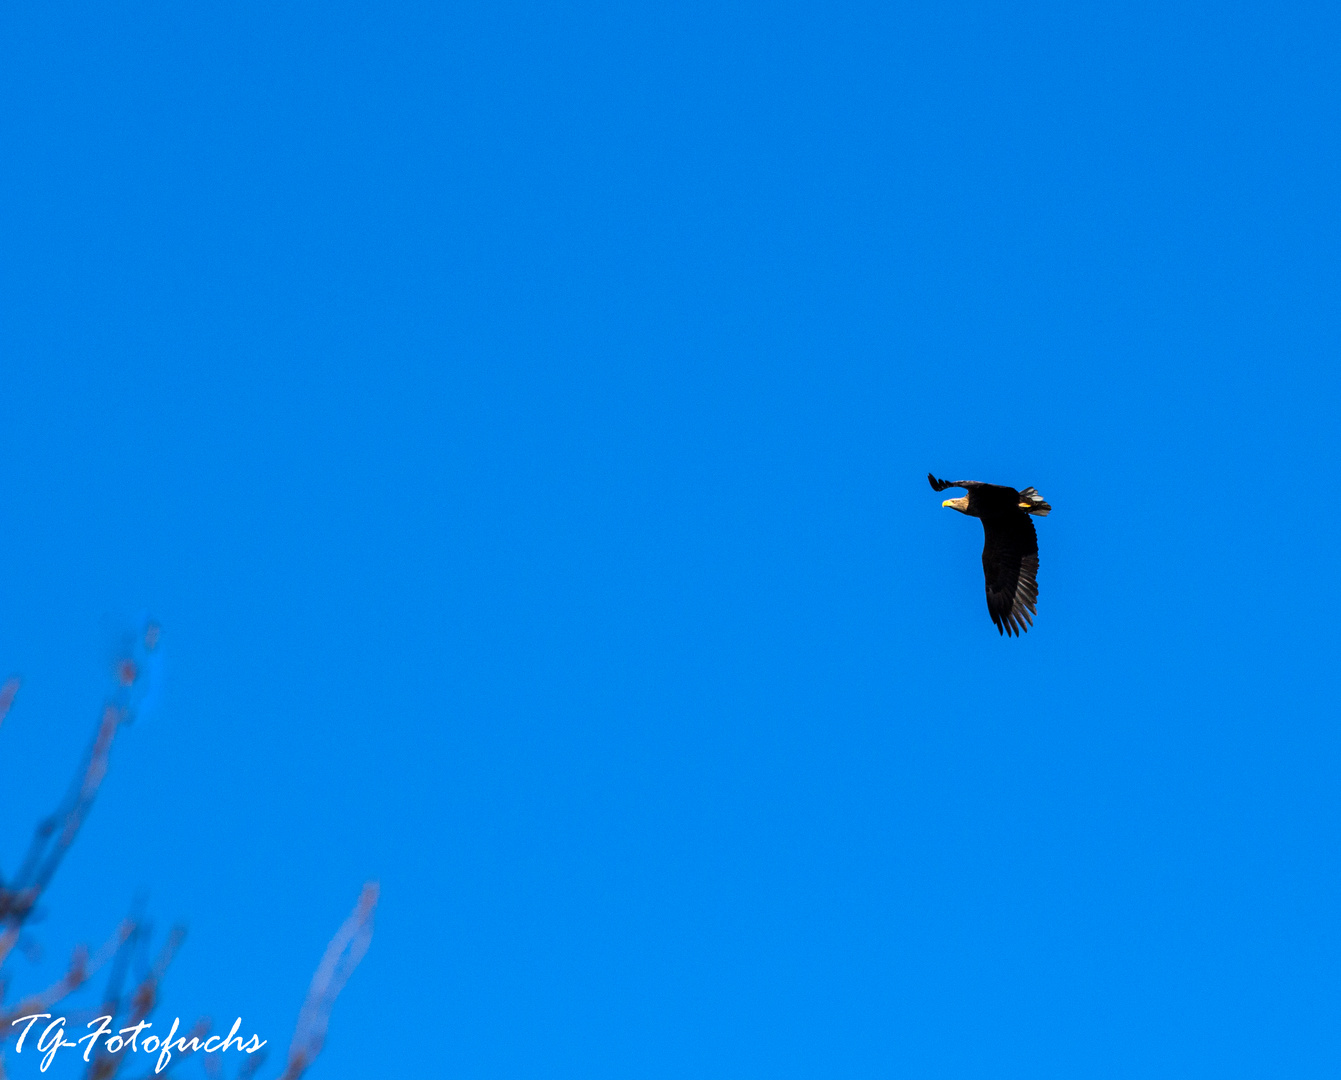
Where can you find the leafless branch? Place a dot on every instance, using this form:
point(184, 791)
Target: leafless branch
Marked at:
point(53, 838)
point(342, 956)
point(54, 835)
point(142, 1002)
point(82, 966)
point(7, 693)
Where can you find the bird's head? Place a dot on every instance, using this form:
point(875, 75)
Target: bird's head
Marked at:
point(960, 504)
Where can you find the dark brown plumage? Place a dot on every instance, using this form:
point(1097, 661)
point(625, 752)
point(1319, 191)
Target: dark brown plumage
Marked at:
point(1010, 547)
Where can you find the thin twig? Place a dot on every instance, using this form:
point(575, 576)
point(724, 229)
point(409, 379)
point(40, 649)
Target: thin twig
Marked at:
point(342, 956)
point(7, 693)
point(82, 966)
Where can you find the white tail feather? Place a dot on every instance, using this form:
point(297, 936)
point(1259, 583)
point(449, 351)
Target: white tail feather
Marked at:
point(1032, 502)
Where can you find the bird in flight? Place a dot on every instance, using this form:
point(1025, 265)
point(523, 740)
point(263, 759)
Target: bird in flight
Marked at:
point(1010, 548)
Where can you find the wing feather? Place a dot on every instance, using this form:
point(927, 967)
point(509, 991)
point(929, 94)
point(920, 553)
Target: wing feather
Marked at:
point(1010, 567)
point(967, 485)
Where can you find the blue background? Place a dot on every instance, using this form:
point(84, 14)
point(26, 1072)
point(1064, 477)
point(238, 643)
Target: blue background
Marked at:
point(518, 418)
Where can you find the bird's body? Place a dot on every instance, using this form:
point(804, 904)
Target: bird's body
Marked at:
point(1010, 547)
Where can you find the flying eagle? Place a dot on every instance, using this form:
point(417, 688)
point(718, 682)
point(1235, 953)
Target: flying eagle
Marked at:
point(1010, 550)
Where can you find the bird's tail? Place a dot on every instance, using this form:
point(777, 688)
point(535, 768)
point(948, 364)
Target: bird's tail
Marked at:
point(1032, 502)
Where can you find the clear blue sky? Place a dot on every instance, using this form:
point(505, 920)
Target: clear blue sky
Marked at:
point(518, 418)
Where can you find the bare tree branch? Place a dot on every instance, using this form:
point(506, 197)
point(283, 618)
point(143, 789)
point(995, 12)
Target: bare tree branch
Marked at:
point(55, 834)
point(7, 693)
point(342, 956)
point(142, 1002)
point(82, 966)
point(136, 675)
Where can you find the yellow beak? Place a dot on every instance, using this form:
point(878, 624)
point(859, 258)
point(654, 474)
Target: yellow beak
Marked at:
point(948, 502)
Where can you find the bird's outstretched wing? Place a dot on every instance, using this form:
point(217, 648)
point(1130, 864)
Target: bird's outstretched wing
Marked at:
point(941, 485)
point(995, 492)
point(1010, 565)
